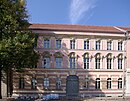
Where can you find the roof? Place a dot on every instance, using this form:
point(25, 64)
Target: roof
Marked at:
point(65, 27)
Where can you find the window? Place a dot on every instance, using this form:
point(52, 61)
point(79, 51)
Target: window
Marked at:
point(120, 83)
point(72, 44)
point(97, 83)
point(86, 44)
point(58, 83)
point(97, 61)
point(109, 60)
point(21, 83)
point(86, 61)
point(72, 61)
point(46, 83)
point(97, 45)
point(58, 62)
point(120, 58)
point(46, 43)
point(46, 62)
point(33, 83)
point(109, 45)
point(109, 83)
point(58, 44)
point(120, 45)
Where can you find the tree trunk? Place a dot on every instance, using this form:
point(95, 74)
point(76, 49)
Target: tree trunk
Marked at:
point(0, 82)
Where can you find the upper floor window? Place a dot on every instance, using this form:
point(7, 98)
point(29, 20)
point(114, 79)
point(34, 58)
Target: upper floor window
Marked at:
point(109, 61)
point(33, 83)
point(98, 45)
point(97, 61)
point(97, 83)
point(58, 83)
point(109, 83)
point(120, 83)
point(72, 44)
point(46, 60)
point(109, 45)
point(46, 83)
point(86, 44)
point(72, 60)
point(86, 61)
point(58, 58)
point(58, 44)
point(21, 83)
point(120, 45)
point(120, 58)
point(46, 43)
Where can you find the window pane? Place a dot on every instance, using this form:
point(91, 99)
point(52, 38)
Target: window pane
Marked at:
point(58, 44)
point(72, 44)
point(46, 83)
point(58, 62)
point(109, 83)
point(108, 45)
point(119, 63)
point(119, 45)
point(21, 83)
point(97, 45)
point(46, 43)
point(86, 44)
point(86, 63)
point(97, 83)
point(108, 63)
point(72, 62)
point(33, 83)
point(46, 63)
point(97, 63)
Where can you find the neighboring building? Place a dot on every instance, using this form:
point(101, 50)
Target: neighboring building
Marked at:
point(98, 55)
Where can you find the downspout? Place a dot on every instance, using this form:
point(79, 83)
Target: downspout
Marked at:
point(125, 61)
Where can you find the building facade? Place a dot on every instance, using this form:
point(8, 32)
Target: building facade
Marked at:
point(98, 55)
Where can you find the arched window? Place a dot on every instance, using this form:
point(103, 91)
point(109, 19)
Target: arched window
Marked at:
point(120, 58)
point(109, 83)
point(97, 61)
point(21, 83)
point(109, 61)
point(72, 60)
point(46, 60)
point(58, 58)
point(33, 83)
point(86, 61)
point(97, 83)
point(120, 83)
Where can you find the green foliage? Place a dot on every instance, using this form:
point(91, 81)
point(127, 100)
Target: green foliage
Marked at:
point(16, 41)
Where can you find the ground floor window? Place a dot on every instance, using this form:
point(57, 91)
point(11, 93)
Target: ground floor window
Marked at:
point(46, 83)
point(21, 83)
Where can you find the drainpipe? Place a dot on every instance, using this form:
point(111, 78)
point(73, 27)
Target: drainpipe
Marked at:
point(125, 62)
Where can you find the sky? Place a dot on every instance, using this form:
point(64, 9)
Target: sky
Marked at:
point(81, 12)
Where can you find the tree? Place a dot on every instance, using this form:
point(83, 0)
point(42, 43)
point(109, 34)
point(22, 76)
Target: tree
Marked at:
point(16, 41)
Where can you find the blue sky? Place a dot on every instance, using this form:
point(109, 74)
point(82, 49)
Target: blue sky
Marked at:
point(83, 12)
